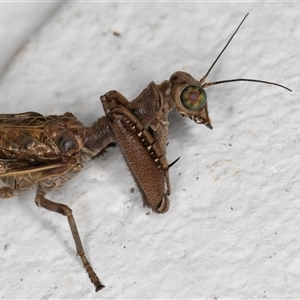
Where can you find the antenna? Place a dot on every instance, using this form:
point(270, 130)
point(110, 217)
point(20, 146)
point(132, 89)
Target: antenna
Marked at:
point(244, 79)
point(202, 80)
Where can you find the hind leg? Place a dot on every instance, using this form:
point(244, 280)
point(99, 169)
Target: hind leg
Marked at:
point(64, 210)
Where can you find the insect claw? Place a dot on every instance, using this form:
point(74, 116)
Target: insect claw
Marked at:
point(99, 287)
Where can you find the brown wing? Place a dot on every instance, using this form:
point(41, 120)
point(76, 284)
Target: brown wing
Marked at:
point(9, 167)
point(32, 136)
point(20, 177)
point(21, 144)
point(22, 137)
point(15, 118)
point(32, 143)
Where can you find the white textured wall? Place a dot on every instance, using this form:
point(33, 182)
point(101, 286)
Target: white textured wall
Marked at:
point(233, 227)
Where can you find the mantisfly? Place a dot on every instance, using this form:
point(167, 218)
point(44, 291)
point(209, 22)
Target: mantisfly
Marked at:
point(45, 152)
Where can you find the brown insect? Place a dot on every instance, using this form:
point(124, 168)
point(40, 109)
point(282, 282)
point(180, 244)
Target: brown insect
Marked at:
point(44, 152)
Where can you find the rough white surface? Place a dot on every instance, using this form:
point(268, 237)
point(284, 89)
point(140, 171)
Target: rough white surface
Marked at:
point(233, 227)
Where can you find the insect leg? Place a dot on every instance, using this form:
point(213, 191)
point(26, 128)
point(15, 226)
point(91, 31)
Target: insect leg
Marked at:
point(143, 155)
point(6, 192)
point(151, 107)
point(64, 210)
point(11, 189)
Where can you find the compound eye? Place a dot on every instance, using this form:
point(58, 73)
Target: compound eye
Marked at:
point(193, 97)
